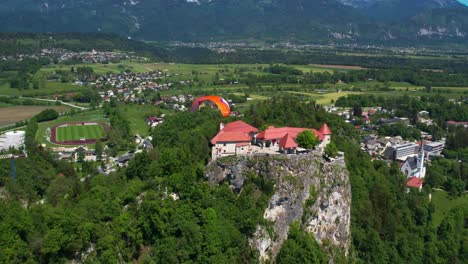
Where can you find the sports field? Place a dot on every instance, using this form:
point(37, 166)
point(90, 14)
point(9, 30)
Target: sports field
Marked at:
point(78, 132)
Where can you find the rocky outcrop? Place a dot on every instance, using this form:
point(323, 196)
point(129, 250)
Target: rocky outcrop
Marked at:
point(308, 189)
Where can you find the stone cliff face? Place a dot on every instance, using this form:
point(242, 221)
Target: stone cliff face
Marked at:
point(308, 189)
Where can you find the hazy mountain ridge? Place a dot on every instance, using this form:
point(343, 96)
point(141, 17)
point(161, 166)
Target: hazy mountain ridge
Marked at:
point(202, 20)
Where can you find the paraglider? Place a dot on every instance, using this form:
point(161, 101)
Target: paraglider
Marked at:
point(222, 104)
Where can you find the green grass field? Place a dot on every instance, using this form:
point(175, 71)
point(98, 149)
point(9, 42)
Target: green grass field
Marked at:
point(49, 89)
point(77, 132)
point(443, 204)
point(88, 116)
point(136, 115)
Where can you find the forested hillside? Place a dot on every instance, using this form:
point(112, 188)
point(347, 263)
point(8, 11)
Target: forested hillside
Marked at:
point(162, 210)
point(34, 43)
point(315, 21)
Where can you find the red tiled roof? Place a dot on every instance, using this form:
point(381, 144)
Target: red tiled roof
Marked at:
point(279, 133)
point(224, 136)
point(325, 130)
point(239, 126)
point(414, 182)
point(288, 142)
point(237, 131)
point(451, 122)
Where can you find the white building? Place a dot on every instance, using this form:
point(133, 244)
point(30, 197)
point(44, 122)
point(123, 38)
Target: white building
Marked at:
point(414, 166)
point(399, 151)
point(233, 139)
point(12, 139)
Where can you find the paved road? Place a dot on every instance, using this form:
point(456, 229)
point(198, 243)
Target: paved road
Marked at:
point(50, 100)
point(46, 100)
point(53, 101)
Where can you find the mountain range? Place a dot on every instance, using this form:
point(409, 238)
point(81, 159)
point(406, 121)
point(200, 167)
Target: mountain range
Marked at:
point(317, 21)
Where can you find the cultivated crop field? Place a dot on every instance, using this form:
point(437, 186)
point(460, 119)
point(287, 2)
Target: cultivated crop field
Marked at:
point(78, 132)
point(13, 114)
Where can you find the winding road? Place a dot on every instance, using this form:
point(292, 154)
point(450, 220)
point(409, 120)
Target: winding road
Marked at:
point(54, 101)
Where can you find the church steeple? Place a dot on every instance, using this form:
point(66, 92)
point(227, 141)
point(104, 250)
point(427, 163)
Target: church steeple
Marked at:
point(421, 157)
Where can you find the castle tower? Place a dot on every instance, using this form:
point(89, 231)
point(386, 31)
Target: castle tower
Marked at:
point(326, 132)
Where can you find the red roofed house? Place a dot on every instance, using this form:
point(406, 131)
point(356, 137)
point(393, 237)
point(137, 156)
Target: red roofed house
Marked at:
point(288, 145)
point(233, 139)
point(415, 182)
point(455, 123)
point(272, 136)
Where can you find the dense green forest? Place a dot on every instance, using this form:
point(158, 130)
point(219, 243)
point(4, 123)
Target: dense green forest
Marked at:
point(129, 215)
point(382, 23)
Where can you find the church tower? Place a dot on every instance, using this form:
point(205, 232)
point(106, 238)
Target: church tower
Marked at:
point(421, 169)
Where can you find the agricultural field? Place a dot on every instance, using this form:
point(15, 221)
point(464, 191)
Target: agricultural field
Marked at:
point(77, 132)
point(102, 68)
point(179, 71)
point(13, 114)
point(51, 87)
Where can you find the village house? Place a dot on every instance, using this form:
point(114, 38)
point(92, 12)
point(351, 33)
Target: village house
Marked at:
point(415, 182)
point(153, 121)
point(455, 123)
point(89, 154)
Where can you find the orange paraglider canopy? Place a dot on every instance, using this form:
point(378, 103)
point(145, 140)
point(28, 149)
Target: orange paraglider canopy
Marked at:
point(222, 104)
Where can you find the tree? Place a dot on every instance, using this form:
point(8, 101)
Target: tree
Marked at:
point(138, 166)
point(307, 139)
point(99, 150)
point(300, 247)
point(357, 110)
point(331, 150)
point(81, 156)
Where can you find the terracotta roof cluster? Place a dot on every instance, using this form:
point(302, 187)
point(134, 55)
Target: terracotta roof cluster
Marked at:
point(241, 132)
point(455, 123)
point(237, 131)
point(415, 182)
point(288, 142)
point(272, 133)
point(239, 126)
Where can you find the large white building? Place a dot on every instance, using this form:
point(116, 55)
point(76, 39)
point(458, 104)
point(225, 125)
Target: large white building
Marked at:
point(12, 139)
point(399, 151)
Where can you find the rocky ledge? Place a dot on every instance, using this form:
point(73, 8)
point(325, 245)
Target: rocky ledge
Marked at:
point(308, 189)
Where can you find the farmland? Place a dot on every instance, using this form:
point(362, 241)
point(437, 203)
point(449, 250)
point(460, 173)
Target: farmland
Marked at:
point(51, 87)
point(78, 132)
point(13, 114)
